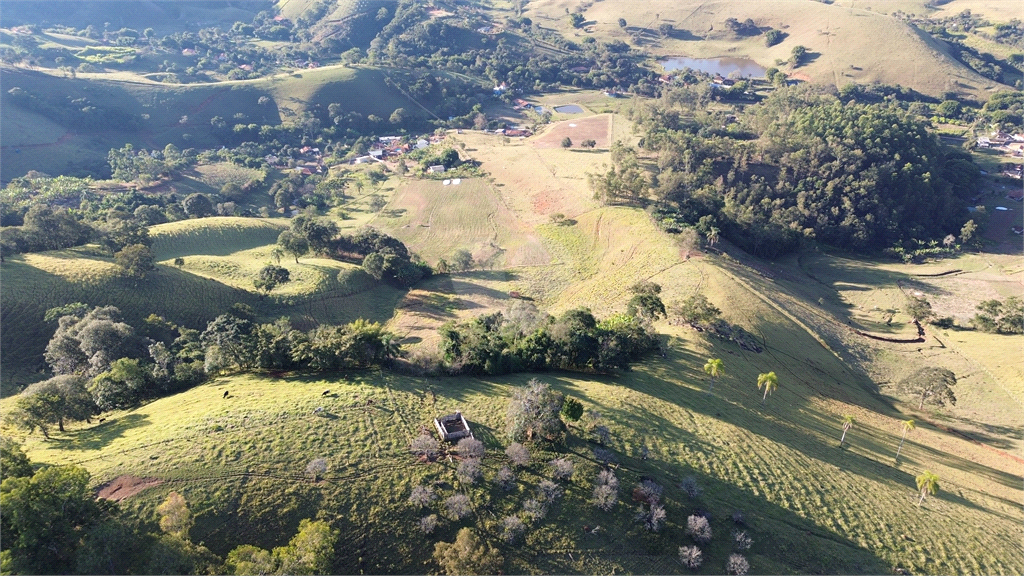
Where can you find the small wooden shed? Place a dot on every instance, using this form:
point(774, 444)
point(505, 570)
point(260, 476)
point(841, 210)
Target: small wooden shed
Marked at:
point(453, 427)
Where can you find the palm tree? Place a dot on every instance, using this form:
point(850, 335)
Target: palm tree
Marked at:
point(908, 425)
point(847, 424)
point(712, 236)
point(769, 381)
point(927, 483)
point(714, 368)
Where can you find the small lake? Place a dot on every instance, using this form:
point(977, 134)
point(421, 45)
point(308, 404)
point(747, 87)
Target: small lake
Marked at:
point(569, 109)
point(724, 66)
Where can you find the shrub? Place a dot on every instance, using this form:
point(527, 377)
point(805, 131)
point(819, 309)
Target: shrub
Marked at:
point(737, 564)
point(572, 409)
point(561, 468)
point(698, 528)
point(691, 557)
point(534, 411)
point(651, 518)
point(548, 491)
point(422, 496)
point(505, 479)
point(518, 454)
point(691, 488)
point(424, 445)
point(458, 506)
point(648, 491)
point(606, 490)
point(470, 448)
point(742, 540)
point(469, 471)
point(512, 527)
point(428, 523)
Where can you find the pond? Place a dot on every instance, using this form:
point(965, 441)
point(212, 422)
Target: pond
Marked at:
point(569, 109)
point(724, 66)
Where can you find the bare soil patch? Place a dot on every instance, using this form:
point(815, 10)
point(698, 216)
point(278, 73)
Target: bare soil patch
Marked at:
point(125, 486)
point(592, 128)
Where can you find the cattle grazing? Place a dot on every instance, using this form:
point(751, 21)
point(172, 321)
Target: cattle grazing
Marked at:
point(326, 392)
point(226, 393)
point(102, 420)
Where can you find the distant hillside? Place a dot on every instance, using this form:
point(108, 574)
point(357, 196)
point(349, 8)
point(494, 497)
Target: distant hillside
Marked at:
point(846, 41)
point(162, 15)
point(151, 114)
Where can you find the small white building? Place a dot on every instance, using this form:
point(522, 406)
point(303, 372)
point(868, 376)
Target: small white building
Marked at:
point(436, 169)
point(421, 144)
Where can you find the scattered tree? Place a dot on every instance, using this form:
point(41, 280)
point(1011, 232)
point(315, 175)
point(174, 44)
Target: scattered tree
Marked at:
point(919, 309)
point(294, 244)
point(175, 517)
point(648, 491)
point(197, 205)
point(589, 143)
point(518, 454)
point(772, 37)
point(566, 142)
point(651, 518)
point(606, 490)
point(512, 527)
point(927, 483)
point(691, 488)
point(769, 381)
point(535, 509)
point(622, 22)
point(534, 412)
point(548, 491)
point(737, 564)
point(377, 202)
point(742, 540)
point(698, 528)
point(428, 524)
point(461, 260)
point(691, 557)
point(505, 479)
point(422, 496)
point(317, 468)
point(848, 421)
point(467, 555)
point(470, 448)
point(13, 461)
point(561, 468)
point(135, 261)
point(907, 426)
point(53, 401)
point(458, 506)
point(797, 56)
point(270, 277)
point(930, 384)
point(469, 471)
point(424, 445)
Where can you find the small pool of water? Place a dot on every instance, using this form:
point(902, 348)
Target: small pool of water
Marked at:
point(724, 66)
point(569, 109)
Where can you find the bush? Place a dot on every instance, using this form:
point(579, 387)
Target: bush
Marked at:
point(534, 412)
point(572, 409)
point(470, 448)
point(505, 479)
point(469, 471)
point(691, 557)
point(698, 528)
point(467, 555)
point(561, 468)
point(512, 527)
point(604, 456)
point(737, 564)
point(428, 523)
point(422, 496)
point(518, 454)
point(742, 540)
point(458, 506)
point(691, 488)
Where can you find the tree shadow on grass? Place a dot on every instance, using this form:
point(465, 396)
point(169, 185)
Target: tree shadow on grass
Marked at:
point(102, 434)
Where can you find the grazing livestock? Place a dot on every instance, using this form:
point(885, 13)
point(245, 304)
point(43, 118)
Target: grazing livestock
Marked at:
point(226, 393)
point(102, 420)
point(326, 392)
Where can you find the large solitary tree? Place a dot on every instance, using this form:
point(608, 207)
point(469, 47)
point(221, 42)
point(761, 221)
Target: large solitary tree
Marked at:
point(53, 401)
point(270, 277)
point(931, 384)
